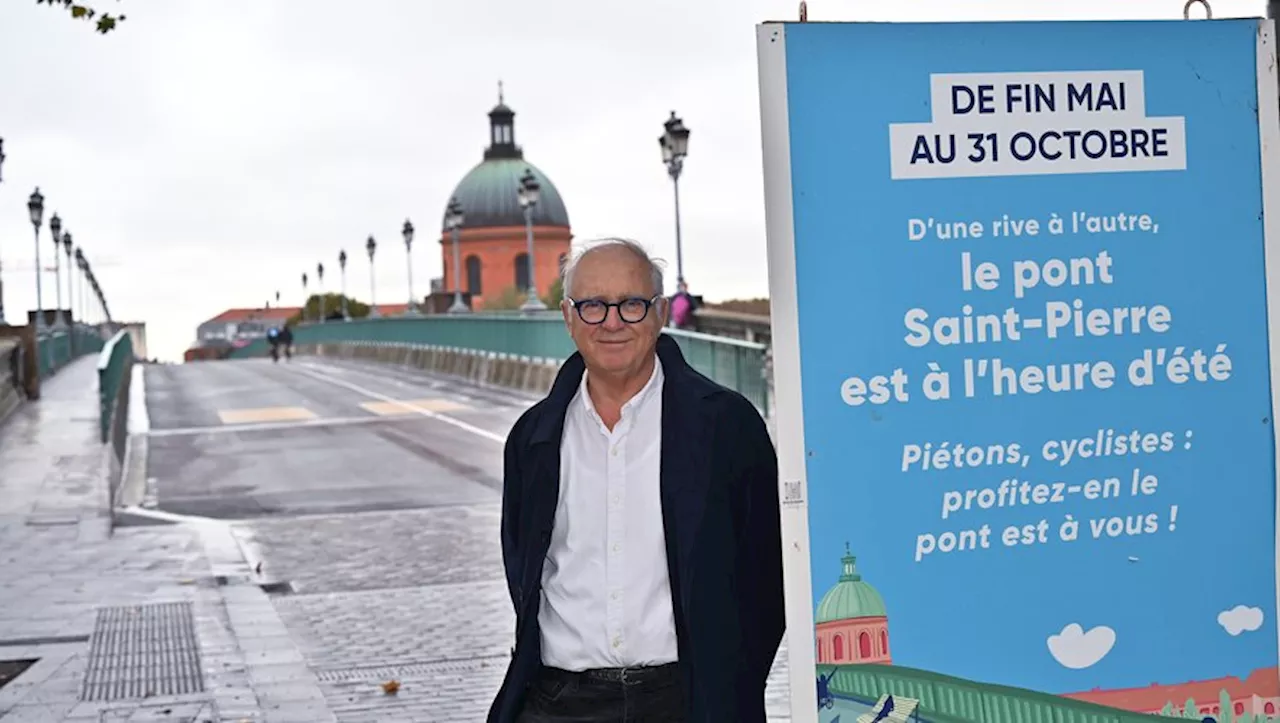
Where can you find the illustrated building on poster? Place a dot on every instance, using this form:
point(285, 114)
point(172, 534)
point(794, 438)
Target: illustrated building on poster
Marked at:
point(957, 700)
point(852, 624)
point(852, 639)
point(1257, 695)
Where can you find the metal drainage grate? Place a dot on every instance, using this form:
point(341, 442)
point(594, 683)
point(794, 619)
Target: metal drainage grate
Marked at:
point(139, 651)
point(411, 670)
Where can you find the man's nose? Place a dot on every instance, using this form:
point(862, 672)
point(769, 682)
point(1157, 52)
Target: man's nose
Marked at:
point(613, 319)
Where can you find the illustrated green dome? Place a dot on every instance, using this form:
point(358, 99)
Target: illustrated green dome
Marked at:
point(851, 597)
point(487, 195)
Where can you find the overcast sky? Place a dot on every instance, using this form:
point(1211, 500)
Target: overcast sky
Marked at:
point(207, 153)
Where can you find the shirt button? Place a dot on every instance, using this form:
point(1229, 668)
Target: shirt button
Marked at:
point(616, 547)
point(616, 498)
point(614, 596)
point(615, 451)
point(617, 642)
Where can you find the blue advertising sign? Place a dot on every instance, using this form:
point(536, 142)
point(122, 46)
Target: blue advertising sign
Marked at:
point(1022, 357)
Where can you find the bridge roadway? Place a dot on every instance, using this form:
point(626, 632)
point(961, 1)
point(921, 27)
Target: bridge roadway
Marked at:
point(370, 495)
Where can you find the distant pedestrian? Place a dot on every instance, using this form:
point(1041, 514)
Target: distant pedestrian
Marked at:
point(682, 308)
point(640, 524)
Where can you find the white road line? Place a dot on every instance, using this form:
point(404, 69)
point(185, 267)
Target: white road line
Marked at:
point(271, 426)
point(465, 426)
point(423, 379)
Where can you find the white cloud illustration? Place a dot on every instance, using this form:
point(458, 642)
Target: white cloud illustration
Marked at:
point(1076, 649)
point(1239, 619)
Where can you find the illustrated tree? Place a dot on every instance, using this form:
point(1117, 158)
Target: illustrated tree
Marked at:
point(103, 22)
point(1224, 707)
point(1190, 710)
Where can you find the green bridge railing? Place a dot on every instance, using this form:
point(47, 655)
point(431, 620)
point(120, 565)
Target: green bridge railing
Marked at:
point(737, 364)
point(56, 347)
point(115, 366)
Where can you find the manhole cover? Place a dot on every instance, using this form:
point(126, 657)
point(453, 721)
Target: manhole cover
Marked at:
point(140, 651)
point(11, 669)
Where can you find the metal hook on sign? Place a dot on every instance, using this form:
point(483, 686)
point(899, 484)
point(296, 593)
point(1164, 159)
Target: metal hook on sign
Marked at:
point(1186, 9)
point(804, 11)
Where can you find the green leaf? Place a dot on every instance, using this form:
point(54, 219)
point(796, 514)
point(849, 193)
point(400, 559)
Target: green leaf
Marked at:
point(84, 10)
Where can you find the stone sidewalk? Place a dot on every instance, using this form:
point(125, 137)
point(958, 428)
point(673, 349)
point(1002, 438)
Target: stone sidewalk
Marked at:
point(156, 622)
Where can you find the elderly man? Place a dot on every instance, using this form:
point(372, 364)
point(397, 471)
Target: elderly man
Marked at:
point(640, 524)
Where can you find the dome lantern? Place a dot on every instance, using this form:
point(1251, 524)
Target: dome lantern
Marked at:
point(490, 190)
point(849, 568)
point(851, 597)
point(502, 131)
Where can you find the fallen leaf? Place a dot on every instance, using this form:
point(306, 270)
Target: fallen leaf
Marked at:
point(390, 687)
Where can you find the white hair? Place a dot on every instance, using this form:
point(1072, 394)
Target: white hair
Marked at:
point(655, 265)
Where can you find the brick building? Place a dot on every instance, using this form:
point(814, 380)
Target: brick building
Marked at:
point(492, 245)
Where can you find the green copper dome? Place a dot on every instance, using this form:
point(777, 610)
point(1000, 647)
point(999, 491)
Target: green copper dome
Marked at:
point(488, 193)
point(851, 597)
point(488, 198)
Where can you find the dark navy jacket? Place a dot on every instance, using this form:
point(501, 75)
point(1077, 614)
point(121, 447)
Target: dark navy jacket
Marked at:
point(719, 491)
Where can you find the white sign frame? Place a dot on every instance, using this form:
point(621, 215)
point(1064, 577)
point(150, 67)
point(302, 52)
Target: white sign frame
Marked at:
point(771, 45)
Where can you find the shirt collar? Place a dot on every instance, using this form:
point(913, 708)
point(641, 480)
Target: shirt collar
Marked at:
point(655, 381)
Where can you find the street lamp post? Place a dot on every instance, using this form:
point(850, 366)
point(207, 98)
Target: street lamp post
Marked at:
point(35, 206)
point(322, 311)
point(407, 232)
point(453, 221)
point(528, 195)
point(71, 277)
point(304, 297)
point(55, 230)
point(372, 246)
point(2, 321)
point(342, 272)
point(675, 146)
point(80, 264)
point(71, 306)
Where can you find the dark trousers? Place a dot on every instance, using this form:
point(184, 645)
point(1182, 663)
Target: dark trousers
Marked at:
point(615, 695)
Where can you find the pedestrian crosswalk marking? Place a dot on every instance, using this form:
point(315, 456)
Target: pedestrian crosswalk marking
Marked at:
point(408, 406)
point(264, 414)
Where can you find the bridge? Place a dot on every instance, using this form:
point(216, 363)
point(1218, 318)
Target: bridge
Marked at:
point(309, 540)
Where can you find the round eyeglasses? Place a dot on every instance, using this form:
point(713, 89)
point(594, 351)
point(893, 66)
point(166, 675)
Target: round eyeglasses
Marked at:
point(595, 311)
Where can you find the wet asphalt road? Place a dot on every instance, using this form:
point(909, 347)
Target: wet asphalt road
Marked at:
point(342, 457)
point(374, 492)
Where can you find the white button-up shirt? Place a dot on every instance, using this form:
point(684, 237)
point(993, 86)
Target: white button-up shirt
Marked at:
point(606, 597)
